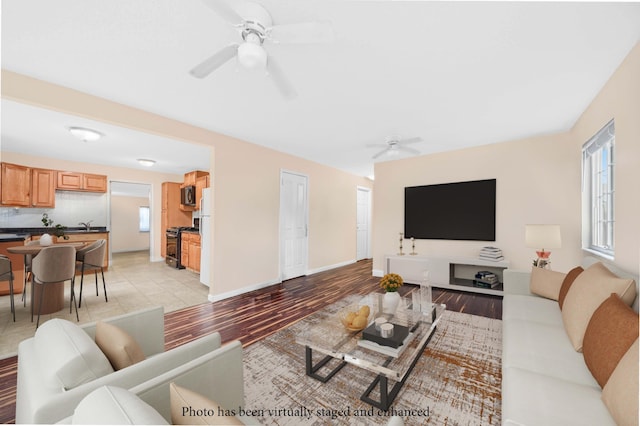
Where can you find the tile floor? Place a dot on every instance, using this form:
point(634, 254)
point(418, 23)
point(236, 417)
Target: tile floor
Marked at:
point(133, 282)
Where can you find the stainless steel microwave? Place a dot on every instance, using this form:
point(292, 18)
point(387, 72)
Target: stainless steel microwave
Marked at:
point(188, 195)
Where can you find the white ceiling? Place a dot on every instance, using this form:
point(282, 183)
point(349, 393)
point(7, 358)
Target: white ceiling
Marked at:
point(456, 74)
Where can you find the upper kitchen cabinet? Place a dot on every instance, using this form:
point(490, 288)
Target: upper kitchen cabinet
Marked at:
point(191, 178)
point(74, 181)
point(23, 186)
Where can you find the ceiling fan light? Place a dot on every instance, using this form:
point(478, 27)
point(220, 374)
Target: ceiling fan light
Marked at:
point(84, 134)
point(146, 162)
point(252, 56)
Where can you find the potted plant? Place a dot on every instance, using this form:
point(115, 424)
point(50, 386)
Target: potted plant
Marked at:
point(57, 230)
point(391, 283)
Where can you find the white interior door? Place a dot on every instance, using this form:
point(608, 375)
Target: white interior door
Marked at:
point(363, 227)
point(293, 225)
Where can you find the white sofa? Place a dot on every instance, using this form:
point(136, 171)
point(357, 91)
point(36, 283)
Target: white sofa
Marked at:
point(545, 381)
point(39, 402)
point(217, 376)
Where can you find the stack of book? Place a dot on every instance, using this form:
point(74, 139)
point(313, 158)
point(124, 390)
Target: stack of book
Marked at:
point(486, 279)
point(491, 253)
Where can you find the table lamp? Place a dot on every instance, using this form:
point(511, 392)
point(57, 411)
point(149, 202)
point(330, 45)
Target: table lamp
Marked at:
point(542, 237)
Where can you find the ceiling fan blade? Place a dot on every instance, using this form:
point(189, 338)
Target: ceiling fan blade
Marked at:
point(280, 80)
point(306, 32)
point(384, 151)
point(377, 145)
point(410, 150)
point(215, 61)
point(225, 11)
point(410, 141)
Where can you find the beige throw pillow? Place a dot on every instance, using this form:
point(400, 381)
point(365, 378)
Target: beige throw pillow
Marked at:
point(612, 329)
point(588, 291)
point(620, 394)
point(546, 283)
point(191, 408)
point(120, 348)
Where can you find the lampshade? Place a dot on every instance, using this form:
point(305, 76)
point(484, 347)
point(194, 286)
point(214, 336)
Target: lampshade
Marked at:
point(84, 134)
point(543, 236)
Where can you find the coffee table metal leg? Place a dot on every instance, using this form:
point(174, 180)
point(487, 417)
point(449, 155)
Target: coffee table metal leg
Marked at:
point(312, 369)
point(386, 397)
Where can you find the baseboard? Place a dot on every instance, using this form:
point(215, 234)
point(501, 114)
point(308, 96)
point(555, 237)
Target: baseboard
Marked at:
point(329, 267)
point(238, 292)
point(259, 286)
point(377, 272)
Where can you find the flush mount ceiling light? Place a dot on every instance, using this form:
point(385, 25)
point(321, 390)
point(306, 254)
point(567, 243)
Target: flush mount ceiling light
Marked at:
point(145, 162)
point(84, 134)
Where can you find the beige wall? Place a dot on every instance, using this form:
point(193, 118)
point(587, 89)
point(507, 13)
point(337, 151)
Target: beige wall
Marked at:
point(538, 181)
point(125, 222)
point(245, 181)
point(620, 99)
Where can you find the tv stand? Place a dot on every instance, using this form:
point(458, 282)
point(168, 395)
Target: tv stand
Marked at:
point(453, 273)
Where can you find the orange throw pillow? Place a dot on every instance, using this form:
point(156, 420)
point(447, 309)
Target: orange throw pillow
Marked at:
point(566, 284)
point(611, 331)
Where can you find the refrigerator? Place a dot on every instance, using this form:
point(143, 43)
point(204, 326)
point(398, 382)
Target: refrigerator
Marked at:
point(205, 237)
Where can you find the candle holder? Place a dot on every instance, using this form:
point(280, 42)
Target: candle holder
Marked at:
point(413, 247)
point(401, 253)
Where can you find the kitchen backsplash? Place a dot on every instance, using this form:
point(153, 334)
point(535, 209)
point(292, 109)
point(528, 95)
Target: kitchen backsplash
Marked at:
point(71, 209)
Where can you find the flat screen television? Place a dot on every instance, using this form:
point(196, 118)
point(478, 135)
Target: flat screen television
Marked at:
point(451, 211)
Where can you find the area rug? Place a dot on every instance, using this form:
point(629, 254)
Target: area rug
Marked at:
point(456, 381)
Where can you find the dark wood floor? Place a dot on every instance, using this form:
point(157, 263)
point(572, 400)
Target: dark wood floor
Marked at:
point(255, 315)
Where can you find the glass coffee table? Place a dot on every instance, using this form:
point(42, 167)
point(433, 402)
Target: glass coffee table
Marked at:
point(327, 336)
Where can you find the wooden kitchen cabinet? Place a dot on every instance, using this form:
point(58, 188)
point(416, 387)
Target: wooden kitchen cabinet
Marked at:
point(190, 251)
point(171, 215)
point(43, 186)
point(24, 186)
point(74, 181)
point(16, 185)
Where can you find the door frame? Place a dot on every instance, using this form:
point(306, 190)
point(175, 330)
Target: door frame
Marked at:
point(369, 192)
point(281, 245)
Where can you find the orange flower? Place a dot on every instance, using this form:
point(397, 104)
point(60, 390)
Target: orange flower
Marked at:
point(391, 282)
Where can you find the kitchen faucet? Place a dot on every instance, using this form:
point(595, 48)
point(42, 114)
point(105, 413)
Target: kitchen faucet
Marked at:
point(87, 225)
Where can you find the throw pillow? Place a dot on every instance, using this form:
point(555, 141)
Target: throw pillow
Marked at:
point(546, 283)
point(120, 348)
point(191, 408)
point(566, 284)
point(588, 291)
point(68, 356)
point(620, 394)
point(611, 330)
point(109, 405)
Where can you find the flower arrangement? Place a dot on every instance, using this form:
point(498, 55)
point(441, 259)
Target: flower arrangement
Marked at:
point(391, 282)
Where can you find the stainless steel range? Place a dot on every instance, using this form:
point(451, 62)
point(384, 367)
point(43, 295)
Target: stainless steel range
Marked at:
point(174, 243)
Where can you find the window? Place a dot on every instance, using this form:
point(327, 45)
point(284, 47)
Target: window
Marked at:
point(144, 219)
point(598, 162)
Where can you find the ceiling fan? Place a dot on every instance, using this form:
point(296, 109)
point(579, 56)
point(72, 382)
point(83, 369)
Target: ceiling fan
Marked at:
point(395, 145)
point(255, 25)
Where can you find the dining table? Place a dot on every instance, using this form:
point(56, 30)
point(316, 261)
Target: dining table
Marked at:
point(53, 294)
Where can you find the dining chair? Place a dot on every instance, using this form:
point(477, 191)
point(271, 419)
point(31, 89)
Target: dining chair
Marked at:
point(52, 265)
point(6, 274)
point(90, 258)
point(28, 258)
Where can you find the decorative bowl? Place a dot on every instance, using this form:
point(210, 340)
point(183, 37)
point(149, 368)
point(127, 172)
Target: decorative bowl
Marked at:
point(356, 317)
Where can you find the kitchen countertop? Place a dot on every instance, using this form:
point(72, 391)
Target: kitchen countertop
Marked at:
point(7, 238)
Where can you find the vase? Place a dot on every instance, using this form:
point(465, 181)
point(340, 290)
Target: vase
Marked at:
point(46, 240)
point(390, 302)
